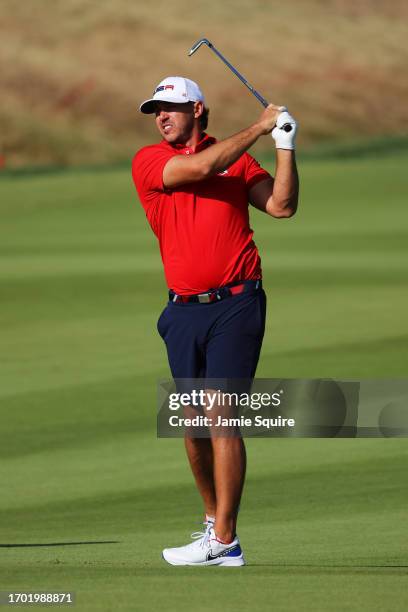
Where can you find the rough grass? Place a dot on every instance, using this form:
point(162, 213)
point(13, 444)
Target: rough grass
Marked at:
point(73, 71)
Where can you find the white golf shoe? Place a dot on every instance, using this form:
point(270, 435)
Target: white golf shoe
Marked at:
point(206, 550)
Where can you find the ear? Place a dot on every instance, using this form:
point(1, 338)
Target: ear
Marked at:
point(198, 109)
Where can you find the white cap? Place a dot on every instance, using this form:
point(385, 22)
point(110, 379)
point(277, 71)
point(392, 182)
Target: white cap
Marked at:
point(173, 89)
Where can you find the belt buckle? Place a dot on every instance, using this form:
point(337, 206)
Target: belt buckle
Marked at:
point(204, 298)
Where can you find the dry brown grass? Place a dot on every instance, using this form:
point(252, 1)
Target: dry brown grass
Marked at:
point(72, 72)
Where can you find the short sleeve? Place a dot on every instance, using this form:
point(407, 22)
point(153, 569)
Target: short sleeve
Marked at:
point(147, 171)
point(254, 173)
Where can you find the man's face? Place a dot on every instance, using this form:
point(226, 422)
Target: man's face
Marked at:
point(175, 122)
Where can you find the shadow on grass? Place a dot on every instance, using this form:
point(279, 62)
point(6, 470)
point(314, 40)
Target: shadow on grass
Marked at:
point(58, 544)
point(330, 569)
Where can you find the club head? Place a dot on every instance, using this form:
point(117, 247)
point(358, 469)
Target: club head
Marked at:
point(197, 45)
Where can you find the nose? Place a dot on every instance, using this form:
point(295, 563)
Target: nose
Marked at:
point(161, 113)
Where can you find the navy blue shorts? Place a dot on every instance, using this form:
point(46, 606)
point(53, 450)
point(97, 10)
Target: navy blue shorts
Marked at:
point(221, 339)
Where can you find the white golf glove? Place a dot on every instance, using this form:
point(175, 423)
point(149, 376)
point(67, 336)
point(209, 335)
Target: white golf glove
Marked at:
point(282, 138)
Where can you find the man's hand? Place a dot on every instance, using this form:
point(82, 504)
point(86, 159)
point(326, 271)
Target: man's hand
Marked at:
point(285, 139)
point(267, 120)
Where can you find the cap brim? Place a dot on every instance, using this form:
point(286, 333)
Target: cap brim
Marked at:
point(149, 106)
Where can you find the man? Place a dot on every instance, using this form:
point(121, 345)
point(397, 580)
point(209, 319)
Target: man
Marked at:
point(195, 192)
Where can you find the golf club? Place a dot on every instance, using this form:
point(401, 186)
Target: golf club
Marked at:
point(265, 103)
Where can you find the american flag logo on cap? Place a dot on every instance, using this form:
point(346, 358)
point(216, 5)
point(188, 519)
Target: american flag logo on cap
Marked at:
point(163, 88)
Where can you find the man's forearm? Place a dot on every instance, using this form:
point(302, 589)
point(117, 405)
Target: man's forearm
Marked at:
point(181, 169)
point(223, 154)
point(284, 199)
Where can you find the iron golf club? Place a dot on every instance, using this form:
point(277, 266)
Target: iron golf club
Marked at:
point(265, 103)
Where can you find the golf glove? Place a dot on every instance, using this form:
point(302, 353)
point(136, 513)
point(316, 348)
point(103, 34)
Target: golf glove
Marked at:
point(283, 139)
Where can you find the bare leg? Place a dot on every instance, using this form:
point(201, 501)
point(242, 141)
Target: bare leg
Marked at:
point(200, 456)
point(218, 465)
point(229, 476)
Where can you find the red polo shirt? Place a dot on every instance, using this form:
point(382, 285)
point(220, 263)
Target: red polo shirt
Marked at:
point(203, 227)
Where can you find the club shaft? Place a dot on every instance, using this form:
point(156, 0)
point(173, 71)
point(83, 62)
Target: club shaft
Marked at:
point(239, 75)
point(204, 41)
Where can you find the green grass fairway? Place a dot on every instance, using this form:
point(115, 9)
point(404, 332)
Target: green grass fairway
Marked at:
point(323, 522)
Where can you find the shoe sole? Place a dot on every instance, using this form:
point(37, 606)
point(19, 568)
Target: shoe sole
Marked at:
point(221, 561)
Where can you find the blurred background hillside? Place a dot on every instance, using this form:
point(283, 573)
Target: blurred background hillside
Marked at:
point(72, 72)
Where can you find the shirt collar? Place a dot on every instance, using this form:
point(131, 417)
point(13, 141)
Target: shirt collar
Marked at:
point(205, 142)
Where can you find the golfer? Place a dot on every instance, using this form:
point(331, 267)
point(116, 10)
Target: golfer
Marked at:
point(195, 191)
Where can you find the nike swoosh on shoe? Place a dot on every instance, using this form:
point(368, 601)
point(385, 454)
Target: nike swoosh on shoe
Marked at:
point(236, 550)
